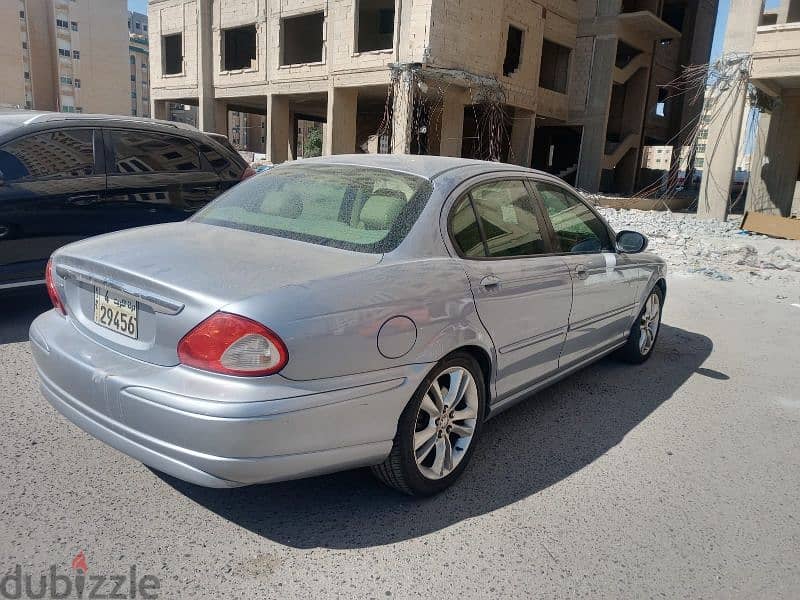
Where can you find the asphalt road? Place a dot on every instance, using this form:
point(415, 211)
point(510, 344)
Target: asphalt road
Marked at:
point(679, 478)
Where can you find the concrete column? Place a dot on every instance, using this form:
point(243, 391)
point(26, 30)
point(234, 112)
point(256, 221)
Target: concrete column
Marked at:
point(724, 131)
point(452, 125)
point(402, 114)
point(221, 117)
point(340, 137)
point(522, 131)
point(206, 112)
point(774, 170)
point(158, 108)
point(595, 121)
point(278, 128)
point(292, 136)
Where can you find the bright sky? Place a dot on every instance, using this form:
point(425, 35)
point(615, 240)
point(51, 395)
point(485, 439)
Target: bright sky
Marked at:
point(719, 34)
point(139, 6)
point(722, 21)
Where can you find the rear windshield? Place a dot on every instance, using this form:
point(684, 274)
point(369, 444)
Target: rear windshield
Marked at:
point(349, 207)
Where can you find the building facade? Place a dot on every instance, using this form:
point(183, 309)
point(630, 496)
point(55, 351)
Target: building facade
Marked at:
point(15, 68)
point(775, 162)
point(764, 47)
point(247, 131)
point(569, 87)
point(139, 50)
point(64, 55)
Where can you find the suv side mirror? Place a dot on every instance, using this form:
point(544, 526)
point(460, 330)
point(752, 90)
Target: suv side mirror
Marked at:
point(631, 242)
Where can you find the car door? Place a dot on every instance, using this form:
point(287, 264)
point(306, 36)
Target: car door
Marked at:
point(51, 185)
point(522, 294)
point(155, 177)
point(604, 282)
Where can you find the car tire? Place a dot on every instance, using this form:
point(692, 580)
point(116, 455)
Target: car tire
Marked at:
point(640, 344)
point(418, 463)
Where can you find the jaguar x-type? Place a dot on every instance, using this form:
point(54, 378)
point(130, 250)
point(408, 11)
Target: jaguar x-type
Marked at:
point(341, 312)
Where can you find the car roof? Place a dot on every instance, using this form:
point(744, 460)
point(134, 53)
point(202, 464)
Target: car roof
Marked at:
point(425, 166)
point(11, 119)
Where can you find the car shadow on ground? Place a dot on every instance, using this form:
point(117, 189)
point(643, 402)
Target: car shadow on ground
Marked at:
point(18, 309)
point(522, 451)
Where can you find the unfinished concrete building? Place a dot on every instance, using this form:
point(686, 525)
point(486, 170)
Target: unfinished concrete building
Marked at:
point(775, 166)
point(764, 46)
point(571, 87)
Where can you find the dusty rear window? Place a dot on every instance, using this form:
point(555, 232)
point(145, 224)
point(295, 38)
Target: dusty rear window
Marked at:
point(350, 207)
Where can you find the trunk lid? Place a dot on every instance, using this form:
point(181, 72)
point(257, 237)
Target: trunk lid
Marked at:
point(181, 273)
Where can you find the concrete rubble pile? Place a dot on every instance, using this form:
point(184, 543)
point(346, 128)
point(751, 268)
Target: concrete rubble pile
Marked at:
point(715, 249)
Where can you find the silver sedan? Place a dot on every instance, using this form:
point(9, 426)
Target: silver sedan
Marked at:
point(337, 313)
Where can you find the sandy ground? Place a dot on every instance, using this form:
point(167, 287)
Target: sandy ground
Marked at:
point(677, 478)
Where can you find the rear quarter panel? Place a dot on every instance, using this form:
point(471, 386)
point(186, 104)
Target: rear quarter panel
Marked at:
point(330, 326)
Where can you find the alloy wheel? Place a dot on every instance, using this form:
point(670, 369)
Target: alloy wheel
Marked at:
point(446, 422)
point(648, 324)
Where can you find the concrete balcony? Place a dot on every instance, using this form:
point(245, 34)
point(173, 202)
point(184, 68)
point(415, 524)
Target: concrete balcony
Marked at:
point(776, 58)
point(641, 28)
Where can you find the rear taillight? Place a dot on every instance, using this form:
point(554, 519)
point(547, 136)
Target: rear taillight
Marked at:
point(51, 289)
point(248, 172)
point(230, 344)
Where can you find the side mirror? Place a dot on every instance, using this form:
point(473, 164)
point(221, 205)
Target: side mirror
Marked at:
point(631, 242)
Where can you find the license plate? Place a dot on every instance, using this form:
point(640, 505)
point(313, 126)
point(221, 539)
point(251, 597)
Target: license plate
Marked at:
point(116, 312)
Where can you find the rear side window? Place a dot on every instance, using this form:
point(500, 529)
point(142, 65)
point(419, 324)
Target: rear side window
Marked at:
point(58, 153)
point(146, 152)
point(507, 221)
point(466, 231)
point(222, 164)
point(577, 228)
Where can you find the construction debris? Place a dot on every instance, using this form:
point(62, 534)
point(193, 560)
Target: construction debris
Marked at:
point(715, 249)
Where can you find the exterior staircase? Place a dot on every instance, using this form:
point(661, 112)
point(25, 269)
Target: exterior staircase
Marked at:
point(567, 172)
point(615, 151)
point(622, 75)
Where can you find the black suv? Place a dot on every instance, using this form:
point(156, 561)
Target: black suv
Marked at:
point(64, 177)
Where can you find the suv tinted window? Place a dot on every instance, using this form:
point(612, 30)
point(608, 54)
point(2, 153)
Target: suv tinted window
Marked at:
point(577, 228)
point(58, 153)
point(508, 218)
point(221, 163)
point(144, 151)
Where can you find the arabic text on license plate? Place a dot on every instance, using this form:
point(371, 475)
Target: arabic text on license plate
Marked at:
point(116, 312)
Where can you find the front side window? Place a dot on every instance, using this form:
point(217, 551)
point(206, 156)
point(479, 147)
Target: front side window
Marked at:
point(577, 228)
point(147, 152)
point(60, 153)
point(349, 207)
point(508, 222)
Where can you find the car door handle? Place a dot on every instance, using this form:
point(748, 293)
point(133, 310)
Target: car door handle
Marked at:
point(4, 231)
point(204, 188)
point(490, 282)
point(83, 200)
point(581, 272)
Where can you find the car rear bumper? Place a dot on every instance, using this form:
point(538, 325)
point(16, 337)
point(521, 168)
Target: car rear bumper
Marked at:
point(187, 424)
